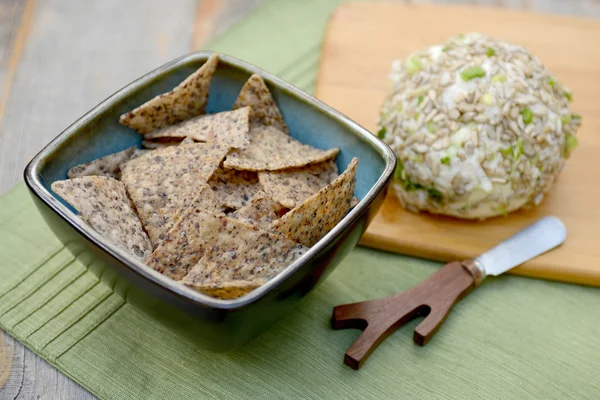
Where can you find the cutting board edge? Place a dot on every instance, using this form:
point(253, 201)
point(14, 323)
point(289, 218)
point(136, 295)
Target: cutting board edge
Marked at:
point(583, 277)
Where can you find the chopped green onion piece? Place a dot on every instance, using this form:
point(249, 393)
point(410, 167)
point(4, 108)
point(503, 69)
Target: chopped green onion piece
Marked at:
point(435, 194)
point(410, 186)
point(534, 160)
point(551, 82)
point(445, 160)
point(507, 151)
point(569, 96)
point(414, 65)
point(382, 132)
point(518, 149)
point(445, 49)
point(431, 126)
point(419, 100)
point(487, 99)
point(499, 78)
point(565, 119)
point(471, 73)
point(502, 209)
point(527, 115)
point(417, 115)
point(575, 116)
point(572, 142)
point(490, 52)
point(398, 172)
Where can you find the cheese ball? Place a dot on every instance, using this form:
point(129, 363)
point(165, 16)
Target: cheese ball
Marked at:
point(480, 127)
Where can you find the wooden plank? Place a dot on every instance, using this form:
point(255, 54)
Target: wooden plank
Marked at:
point(204, 23)
point(5, 360)
point(353, 79)
point(14, 22)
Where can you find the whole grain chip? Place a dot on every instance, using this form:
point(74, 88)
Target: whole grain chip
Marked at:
point(260, 211)
point(317, 215)
point(165, 181)
point(234, 188)
point(271, 149)
point(187, 100)
point(105, 166)
point(229, 128)
point(104, 205)
point(242, 253)
point(185, 243)
point(256, 94)
point(204, 199)
point(291, 187)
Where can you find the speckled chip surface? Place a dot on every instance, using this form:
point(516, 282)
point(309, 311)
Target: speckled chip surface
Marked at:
point(291, 187)
point(234, 188)
point(265, 112)
point(165, 181)
point(185, 243)
point(260, 212)
point(271, 149)
point(317, 215)
point(105, 166)
point(104, 205)
point(205, 200)
point(187, 100)
point(242, 253)
point(229, 128)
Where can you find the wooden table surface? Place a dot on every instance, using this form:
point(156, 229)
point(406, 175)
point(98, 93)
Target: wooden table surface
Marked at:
point(58, 58)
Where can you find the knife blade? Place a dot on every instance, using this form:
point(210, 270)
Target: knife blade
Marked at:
point(536, 239)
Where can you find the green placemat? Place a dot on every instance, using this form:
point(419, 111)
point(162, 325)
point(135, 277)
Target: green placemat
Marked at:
point(512, 338)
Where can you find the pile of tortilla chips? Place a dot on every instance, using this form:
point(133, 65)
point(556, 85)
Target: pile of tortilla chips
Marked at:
point(221, 202)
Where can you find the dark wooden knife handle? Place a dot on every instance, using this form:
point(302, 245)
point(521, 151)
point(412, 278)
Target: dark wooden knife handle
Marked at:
point(432, 298)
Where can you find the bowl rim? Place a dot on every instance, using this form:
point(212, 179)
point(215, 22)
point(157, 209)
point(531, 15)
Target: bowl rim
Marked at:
point(32, 179)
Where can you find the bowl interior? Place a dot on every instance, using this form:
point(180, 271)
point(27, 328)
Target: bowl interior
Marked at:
point(99, 132)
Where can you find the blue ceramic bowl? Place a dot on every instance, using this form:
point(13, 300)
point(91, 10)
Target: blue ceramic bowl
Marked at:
point(216, 324)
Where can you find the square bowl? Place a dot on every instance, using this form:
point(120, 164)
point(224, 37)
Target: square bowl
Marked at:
point(214, 323)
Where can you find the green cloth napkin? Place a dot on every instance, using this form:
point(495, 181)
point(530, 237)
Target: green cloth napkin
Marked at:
point(512, 338)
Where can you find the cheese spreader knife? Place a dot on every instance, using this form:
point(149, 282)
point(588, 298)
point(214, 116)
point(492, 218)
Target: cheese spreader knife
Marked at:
point(434, 297)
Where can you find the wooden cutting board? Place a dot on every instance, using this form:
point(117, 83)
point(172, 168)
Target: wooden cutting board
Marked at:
point(361, 42)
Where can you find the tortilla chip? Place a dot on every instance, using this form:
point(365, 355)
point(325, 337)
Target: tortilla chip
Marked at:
point(240, 252)
point(270, 150)
point(187, 100)
point(225, 290)
point(291, 187)
point(260, 211)
point(234, 188)
point(185, 244)
point(105, 166)
point(205, 199)
point(229, 128)
point(317, 215)
point(165, 181)
point(265, 112)
point(103, 203)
